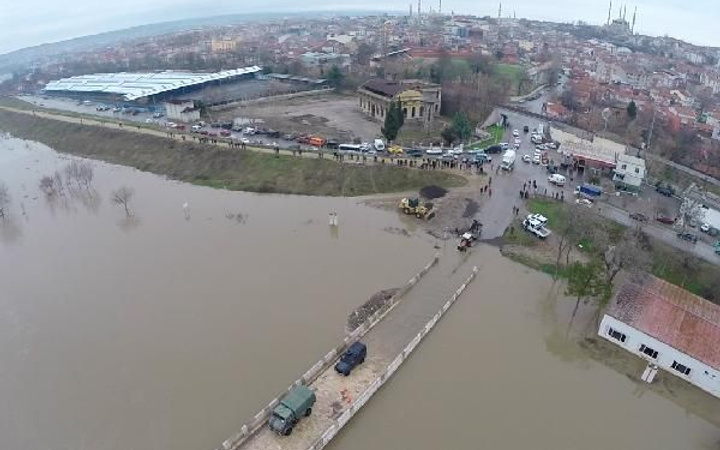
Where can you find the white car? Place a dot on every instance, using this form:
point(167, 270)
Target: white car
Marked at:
point(171, 125)
point(196, 128)
point(516, 133)
point(526, 158)
point(149, 120)
point(245, 140)
point(584, 201)
point(551, 145)
point(536, 159)
point(434, 151)
point(705, 227)
point(557, 179)
point(517, 145)
point(518, 140)
point(504, 145)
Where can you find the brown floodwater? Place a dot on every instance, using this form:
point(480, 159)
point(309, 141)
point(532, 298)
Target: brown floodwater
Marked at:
point(167, 332)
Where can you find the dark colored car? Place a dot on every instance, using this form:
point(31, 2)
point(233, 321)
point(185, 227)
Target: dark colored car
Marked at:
point(665, 219)
point(526, 129)
point(688, 237)
point(414, 153)
point(494, 149)
point(667, 191)
point(332, 144)
point(639, 217)
point(353, 357)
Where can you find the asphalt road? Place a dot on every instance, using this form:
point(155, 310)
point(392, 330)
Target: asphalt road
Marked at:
point(496, 214)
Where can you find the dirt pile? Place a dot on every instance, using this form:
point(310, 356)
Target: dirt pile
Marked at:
point(432, 192)
point(367, 309)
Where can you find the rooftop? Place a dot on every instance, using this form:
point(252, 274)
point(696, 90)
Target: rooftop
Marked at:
point(596, 149)
point(388, 88)
point(133, 86)
point(671, 315)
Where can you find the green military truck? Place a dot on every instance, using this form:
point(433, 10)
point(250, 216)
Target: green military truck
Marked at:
point(296, 404)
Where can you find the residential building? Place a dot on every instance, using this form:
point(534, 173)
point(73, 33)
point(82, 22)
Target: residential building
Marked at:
point(182, 110)
point(669, 327)
point(629, 173)
point(222, 45)
point(420, 101)
point(325, 59)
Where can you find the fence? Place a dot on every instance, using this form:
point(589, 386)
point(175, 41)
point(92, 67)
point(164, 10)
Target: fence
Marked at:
point(259, 420)
point(380, 380)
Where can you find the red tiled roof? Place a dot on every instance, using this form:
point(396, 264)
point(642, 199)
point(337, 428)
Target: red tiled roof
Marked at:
point(671, 315)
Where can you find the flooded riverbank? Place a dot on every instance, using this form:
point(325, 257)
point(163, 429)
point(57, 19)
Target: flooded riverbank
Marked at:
point(161, 332)
point(169, 329)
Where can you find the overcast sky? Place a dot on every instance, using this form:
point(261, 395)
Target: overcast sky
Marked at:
point(25, 23)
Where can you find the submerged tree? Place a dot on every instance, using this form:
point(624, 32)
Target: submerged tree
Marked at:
point(122, 196)
point(4, 199)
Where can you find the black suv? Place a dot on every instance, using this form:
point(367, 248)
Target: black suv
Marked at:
point(353, 357)
point(667, 191)
point(688, 237)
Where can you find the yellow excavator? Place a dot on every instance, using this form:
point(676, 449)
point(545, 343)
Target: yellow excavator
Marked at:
point(412, 206)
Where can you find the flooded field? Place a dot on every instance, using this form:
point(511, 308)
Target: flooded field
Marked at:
point(157, 332)
point(168, 329)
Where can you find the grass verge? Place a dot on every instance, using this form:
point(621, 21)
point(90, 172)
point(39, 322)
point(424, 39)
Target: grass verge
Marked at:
point(220, 166)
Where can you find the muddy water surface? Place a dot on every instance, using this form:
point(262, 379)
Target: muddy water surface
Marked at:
point(157, 332)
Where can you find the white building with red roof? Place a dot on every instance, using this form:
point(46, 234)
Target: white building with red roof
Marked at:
point(669, 327)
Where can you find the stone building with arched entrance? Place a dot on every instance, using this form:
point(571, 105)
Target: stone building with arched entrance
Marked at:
point(420, 101)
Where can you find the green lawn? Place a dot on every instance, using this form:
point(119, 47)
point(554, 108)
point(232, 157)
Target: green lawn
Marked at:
point(511, 72)
point(552, 209)
point(496, 136)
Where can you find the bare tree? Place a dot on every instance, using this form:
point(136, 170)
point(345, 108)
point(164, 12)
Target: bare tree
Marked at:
point(47, 185)
point(122, 196)
point(59, 184)
point(632, 253)
point(575, 225)
point(4, 199)
point(72, 172)
point(86, 174)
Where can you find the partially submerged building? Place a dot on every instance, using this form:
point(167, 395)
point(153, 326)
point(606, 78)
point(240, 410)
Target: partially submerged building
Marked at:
point(420, 101)
point(669, 327)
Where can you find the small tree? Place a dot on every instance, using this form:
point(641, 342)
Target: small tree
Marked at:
point(394, 120)
point(448, 135)
point(461, 126)
point(632, 110)
point(335, 76)
point(47, 185)
point(4, 199)
point(122, 196)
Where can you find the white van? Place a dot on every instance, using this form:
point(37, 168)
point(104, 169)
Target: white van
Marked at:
point(557, 179)
point(379, 145)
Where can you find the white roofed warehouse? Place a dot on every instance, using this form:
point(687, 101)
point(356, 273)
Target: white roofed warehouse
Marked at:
point(143, 88)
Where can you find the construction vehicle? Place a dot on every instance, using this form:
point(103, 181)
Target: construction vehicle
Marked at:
point(296, 404)
point(471, 235)
point(412, 206)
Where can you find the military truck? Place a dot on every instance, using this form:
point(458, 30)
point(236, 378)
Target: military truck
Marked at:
point(296, 404)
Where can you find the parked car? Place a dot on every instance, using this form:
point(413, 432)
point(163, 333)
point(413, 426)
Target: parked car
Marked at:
point(516, 133)
point(494, 149)
point(434, 151)
point(557, 179)
point(158, 115)
point(667, 191)
point(536, 159)
point(414, 153)
point(585, 202)
point(526, 158)
point(665, 219)
point(225, 133)
point(639, 217)
point(526, 129)
point(688, 237)
point(353, 357)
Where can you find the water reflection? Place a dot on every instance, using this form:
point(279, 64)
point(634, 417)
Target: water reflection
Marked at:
point(129, 223)
point(10, 229)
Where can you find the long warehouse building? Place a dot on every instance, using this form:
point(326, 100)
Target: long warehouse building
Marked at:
point(132, 87)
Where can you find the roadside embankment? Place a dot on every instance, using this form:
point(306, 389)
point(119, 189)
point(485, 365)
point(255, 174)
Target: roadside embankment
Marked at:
point(216, 166)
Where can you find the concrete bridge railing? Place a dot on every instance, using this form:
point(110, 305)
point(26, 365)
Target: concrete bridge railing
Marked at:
point(259, 420)
point(360, 401)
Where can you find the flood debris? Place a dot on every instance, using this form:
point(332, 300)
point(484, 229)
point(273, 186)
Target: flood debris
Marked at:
point(432, 192)
point(239, 217)
point(367, 309)
point(471, 208)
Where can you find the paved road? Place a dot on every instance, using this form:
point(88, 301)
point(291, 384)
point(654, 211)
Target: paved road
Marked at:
point(496, 213)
